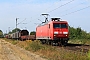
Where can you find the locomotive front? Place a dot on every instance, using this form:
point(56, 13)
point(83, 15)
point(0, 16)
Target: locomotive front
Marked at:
point(60, 31)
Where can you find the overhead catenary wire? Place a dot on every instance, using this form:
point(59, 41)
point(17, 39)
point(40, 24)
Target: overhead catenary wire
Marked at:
point(73, 7)
point(50, 6)
point(67, 9)
point(76, 11)
point(58, 7)
point(21, 21)
point(61, 6)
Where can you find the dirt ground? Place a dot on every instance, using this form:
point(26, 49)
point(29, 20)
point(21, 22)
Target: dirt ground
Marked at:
point(13, 52)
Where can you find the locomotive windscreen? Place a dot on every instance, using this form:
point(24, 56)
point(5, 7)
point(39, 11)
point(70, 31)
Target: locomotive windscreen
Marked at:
point(60, 25)
point(24, 32)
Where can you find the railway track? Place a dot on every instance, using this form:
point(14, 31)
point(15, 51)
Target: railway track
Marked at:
point(74, 47)
point(77, 47)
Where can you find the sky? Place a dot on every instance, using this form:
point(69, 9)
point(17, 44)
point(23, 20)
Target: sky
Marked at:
point(28, 12)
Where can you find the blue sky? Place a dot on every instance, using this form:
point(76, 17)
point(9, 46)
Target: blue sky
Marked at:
point(30, 11)
point(28, 1)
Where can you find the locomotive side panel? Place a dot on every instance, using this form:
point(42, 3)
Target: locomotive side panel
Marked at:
point(50, 30)
point(44, 31)
point(38, 32)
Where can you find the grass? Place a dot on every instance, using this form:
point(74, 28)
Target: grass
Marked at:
point(14, 42)
point(80, 41)
point(52, 52)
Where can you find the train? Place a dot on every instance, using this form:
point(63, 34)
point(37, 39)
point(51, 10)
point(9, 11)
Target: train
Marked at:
point(21, 35)
point(52, 32)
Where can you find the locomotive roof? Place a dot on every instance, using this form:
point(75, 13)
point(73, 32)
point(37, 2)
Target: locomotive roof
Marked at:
point(59, 21)
point(44, 23)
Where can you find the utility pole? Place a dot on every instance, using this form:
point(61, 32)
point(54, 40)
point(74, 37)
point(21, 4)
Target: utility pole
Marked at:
point(6, 32)
point(8, 29)
point(16, 24)
point(16, 27)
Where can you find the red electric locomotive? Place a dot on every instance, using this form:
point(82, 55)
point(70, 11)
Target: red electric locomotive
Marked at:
point(53, 32)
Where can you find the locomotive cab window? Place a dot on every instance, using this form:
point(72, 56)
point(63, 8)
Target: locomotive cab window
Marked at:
point(63, 25)
point(59, 25)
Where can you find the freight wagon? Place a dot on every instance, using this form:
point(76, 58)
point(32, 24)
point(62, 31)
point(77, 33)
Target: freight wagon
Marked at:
point(21, 35)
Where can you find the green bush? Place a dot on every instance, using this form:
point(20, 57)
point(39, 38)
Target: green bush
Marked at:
point(35, 45)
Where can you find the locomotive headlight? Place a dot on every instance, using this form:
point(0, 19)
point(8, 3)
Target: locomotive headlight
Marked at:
point(65, 32)
point(66, 35)
point(55, 32)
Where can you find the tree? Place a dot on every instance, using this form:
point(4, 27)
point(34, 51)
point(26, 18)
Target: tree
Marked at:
point(33, 33)
point(72, 32)
point(78, 33)
point(88, 36)
point(1, 33)
point(14, 30)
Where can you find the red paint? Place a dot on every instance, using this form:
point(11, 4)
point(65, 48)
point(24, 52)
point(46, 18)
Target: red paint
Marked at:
point(47, 30)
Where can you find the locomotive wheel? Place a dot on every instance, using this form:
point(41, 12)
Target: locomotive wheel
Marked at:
point(53, 43)
point(64, 43)
point(48, 42)
point(43, 41)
